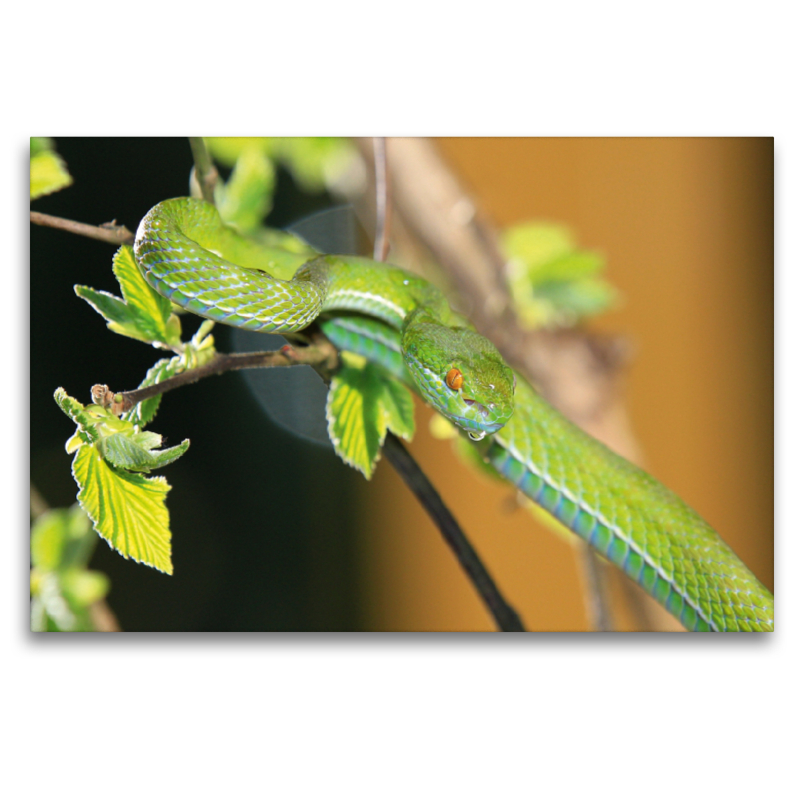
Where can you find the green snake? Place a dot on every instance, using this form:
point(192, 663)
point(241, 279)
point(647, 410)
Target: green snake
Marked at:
point(404, 324)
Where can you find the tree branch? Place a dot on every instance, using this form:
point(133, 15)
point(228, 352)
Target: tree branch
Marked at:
point(108, 232)
point(321, 355)
point(504, 615)
point(382, 201)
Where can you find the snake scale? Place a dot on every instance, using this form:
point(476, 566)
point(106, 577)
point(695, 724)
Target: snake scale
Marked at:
point(403, 323)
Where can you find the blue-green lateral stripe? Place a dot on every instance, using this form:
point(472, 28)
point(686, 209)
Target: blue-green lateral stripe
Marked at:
point(608, 539)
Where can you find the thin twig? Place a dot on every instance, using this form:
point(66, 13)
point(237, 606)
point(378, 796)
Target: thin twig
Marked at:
point(204, 169)
point(109, 232)
point(382, 200)
point(321, 355)
point(504, 615)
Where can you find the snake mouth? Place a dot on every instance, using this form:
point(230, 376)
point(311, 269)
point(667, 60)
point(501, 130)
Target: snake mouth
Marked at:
point(476, 405)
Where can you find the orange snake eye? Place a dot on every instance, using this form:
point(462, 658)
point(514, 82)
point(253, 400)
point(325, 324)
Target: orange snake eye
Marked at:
point(454, 379)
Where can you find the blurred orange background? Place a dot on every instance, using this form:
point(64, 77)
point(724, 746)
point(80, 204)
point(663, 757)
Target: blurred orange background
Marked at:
point(687, 228)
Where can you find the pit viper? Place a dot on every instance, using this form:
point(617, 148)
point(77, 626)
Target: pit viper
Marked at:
point(403, 323)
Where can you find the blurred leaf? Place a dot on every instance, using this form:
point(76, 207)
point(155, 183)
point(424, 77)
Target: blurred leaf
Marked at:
point(62, 589)
point(226, 149)
point(314, 161)
point(128, 510)
point(246, 198)
point(552, 282)
point(48, 170)
point(143, 314)
point(83, 587)
point(48, 536)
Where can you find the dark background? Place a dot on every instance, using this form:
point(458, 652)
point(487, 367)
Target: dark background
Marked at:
point(254, 546)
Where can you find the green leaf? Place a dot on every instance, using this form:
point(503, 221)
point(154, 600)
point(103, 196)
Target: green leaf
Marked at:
point(314, 161)
point(142, 314)
point(125, 452)
point(363, 402)
point(552, 282)
point(61, 538)
point(82, 587)
point(153, 310)
point(227, 149)
point(87, 420)
point(356, 420)
point(398, 408)
point(48, 536)
point(120, 317)
point(48, 170)
point(128, 510)
point(143, 412)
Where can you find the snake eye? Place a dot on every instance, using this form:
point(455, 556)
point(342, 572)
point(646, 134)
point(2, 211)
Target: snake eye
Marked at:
point(454, 379)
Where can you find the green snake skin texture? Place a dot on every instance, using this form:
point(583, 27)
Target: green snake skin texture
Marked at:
point(622, 512)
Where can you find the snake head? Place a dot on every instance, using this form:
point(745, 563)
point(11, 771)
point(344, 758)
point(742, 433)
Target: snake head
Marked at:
point(461, 374)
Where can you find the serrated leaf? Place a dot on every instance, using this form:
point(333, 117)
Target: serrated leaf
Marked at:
point(149, 308)
point(88, 425)
point(163, 457)
point(356, 419)
point(128, 510)
point(363, 403)
point(398, 407)
point(48, 171)
point(142, 313)
point(119, 317)
point(121, 451)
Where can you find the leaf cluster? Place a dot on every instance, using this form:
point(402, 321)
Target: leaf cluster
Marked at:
point(62, 588)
